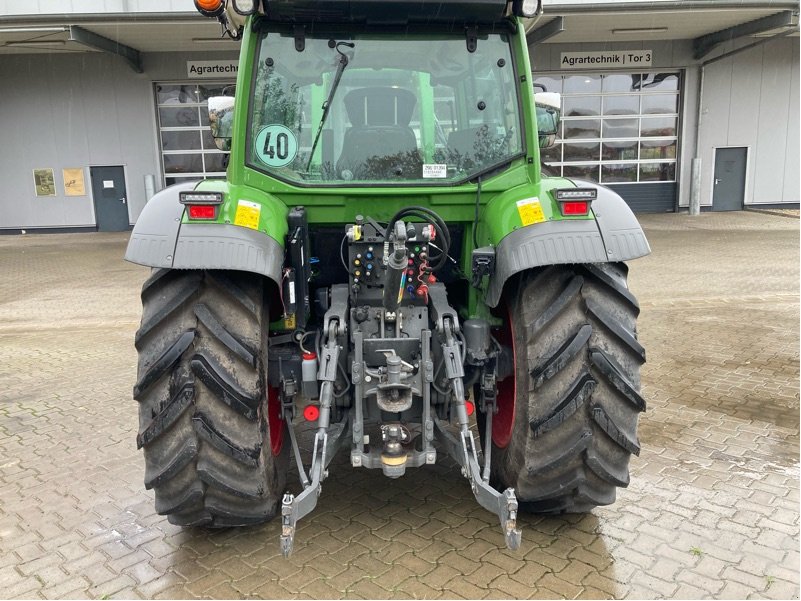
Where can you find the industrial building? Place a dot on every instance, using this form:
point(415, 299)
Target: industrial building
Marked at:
point(671, 103)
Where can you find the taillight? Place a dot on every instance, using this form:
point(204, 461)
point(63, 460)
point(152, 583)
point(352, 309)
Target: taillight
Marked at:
point(581, 207)
point(575, 201)
point(202, 211)
point(201, 205)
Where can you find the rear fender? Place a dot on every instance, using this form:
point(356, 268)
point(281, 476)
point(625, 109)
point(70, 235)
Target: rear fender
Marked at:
point(613, 235)
point(161, 239)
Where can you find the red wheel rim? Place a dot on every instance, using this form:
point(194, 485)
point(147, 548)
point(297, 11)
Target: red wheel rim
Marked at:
point(274, 421)
point(503, 422)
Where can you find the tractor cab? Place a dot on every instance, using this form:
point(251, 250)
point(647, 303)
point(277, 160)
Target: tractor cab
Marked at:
point(375, 93)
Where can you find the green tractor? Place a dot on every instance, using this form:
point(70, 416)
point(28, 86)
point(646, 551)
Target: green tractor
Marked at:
point(385, 261)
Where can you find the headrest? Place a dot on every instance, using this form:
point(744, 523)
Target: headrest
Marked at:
point(380, 106)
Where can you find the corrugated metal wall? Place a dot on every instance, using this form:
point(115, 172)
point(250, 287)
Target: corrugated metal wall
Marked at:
point(65, 111)
point(750, 99)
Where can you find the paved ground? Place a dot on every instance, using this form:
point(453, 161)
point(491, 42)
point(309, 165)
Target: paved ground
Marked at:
point(712, 510)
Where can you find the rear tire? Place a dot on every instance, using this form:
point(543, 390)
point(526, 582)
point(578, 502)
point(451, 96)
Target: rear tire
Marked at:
point(568, 415)
point(213, 444)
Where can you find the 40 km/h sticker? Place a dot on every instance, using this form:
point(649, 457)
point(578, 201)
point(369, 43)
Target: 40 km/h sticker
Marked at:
point(276, 145)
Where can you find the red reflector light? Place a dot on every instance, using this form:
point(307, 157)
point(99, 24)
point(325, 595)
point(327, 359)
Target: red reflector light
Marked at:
point(311, 413)
point(202, 211)
point(471, 408)
point(575, 207)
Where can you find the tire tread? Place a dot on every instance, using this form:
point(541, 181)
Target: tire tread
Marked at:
point(572, 441)
point(200, 389)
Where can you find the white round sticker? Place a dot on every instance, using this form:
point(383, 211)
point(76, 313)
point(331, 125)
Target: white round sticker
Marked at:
point(276, 145)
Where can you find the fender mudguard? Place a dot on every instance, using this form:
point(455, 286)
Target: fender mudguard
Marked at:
point(614, 235)
point(160, 239)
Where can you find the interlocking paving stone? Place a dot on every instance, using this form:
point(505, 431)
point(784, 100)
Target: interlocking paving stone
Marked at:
point(712, 510)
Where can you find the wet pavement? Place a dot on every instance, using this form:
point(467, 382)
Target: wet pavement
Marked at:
point(712, 510)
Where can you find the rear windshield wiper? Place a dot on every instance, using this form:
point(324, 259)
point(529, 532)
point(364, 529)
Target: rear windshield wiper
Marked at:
point(343, 62)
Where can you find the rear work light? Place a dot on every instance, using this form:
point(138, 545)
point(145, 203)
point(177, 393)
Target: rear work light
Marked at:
point(245, 7)
point(201, 205)
point(526, 8)
point(575, 201)
point(200, 198)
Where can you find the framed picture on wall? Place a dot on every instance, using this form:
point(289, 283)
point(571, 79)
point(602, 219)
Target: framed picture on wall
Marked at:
point(74, 184)
point(44, 181)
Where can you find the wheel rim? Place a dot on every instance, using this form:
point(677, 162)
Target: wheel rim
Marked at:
point(274, 421)
point(503, 421)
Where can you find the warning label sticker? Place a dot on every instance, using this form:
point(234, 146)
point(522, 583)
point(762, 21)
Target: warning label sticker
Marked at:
point(247, 214)
point(530, 211)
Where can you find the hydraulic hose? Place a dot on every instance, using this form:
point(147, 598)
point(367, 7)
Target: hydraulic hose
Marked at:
point(393, 281)
point(439, 226)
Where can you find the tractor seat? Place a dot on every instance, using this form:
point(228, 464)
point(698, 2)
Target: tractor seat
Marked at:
point(380, 144)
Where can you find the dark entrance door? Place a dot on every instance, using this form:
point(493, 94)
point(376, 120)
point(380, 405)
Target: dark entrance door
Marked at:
point(729, 186)
point(111, 199)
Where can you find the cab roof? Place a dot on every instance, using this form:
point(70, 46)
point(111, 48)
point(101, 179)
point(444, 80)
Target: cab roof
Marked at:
point(386, 12)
